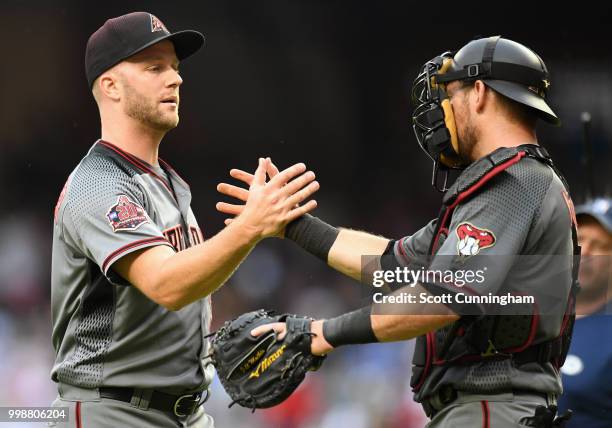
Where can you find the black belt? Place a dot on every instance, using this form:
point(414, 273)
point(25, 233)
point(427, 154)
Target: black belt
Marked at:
point(178, 405)
point(442, 398)
point(446, 395)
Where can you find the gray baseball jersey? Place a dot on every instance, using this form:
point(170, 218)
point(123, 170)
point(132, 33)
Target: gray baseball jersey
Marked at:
point(105, 331)
point(522, 211)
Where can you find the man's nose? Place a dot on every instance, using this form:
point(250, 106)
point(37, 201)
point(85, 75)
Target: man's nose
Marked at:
point(176, 79)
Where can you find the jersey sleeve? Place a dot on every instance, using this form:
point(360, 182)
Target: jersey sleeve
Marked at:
point(108, 217)
point(414, 247)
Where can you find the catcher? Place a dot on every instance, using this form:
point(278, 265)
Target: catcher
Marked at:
point(475, 111)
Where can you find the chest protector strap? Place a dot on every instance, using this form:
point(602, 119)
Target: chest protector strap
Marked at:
point(480, 331)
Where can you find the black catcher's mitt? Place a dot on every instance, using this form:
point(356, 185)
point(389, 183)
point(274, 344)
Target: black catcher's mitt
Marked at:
point(260, 372)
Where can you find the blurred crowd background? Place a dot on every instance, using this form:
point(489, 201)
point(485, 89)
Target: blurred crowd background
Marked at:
point(323, 82)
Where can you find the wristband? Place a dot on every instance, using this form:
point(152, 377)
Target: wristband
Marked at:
point(313, 235)
point(350, 329)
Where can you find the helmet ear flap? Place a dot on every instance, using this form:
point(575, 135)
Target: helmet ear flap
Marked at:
point(450, 157)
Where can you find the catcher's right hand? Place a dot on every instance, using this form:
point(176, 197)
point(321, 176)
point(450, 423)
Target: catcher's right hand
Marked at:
point(262, 371)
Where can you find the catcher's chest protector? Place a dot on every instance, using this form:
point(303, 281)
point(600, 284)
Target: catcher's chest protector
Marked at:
point(476, 338)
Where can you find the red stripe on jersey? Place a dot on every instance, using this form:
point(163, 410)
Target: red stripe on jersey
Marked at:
point(60, 199)
point(129, 246)
point(77, 411)
point(570, 207)
point(486, 415)
point(489, 175)
point(429, 337)
point(136, 162)
point(169, 167)
point(403, 252)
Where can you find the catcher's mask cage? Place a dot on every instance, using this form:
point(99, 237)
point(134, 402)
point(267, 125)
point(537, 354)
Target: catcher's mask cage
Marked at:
point(507, 67)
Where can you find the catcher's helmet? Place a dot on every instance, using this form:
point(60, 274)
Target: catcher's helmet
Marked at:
point(507, 67)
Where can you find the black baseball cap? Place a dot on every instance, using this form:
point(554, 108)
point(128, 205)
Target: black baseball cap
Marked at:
point(125, 35)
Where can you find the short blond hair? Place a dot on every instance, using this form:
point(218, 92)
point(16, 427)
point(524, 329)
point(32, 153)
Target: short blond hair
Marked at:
point(95, 90)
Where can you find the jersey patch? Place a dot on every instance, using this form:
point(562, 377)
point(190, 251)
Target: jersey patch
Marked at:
point(472, 239)
point(126, 215)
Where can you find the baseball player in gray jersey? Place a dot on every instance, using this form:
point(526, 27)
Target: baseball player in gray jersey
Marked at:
point(476, 111)
point(132, 274)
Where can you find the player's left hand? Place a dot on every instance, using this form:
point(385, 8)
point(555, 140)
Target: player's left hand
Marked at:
point(319, 346)
point(240, 193)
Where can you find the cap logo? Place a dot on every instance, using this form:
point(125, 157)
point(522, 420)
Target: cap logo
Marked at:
point(538, 91)
point(157, 25)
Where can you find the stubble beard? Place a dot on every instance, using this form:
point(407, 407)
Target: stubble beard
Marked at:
point(147, 111)
point(468, 137)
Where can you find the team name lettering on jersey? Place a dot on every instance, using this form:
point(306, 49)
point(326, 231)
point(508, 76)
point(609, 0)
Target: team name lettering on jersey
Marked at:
point(473, 239)
point(177, 238)
point(126, 215)
point(196, 235)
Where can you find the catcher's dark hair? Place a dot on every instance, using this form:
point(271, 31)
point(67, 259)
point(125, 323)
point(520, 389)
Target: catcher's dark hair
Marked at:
point(516, 112)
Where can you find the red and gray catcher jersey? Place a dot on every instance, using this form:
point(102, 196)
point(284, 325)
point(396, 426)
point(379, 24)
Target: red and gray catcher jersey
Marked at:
point(105, 331)
point(516, 229)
